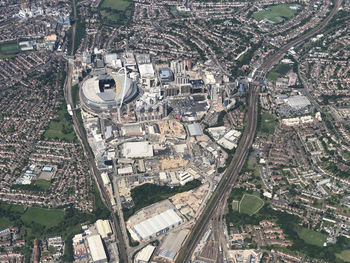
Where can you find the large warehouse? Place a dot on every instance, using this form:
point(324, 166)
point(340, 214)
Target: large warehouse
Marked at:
point(298, 101)
point(107, 91)
point(103, 228)
point(97, 250)
point(137, 149)
point(156, 225)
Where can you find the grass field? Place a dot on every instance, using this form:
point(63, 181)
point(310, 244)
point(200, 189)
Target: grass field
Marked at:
point(43, 184)
point(17, 209)
point(8, 50)
point(344, 255)
point(235, 205)
point(120, 5)
point(4, 222)
point(268, 123)
point(312, 237)
point(273, 75)
point(250, 204)
point(46, 217)
point(61, 128)
point(273, 13)
point(9, 47)
point(278, 71)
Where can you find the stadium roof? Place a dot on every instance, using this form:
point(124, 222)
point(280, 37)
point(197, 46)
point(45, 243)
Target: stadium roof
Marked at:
point(155, 224)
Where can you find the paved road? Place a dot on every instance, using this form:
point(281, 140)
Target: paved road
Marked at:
point(92, 165)
point(220, 195)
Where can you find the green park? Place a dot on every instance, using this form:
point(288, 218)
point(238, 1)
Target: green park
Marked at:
point(278, 71)
point(250, 204)
point(8, 50)
point(114, 11)
point(267, 123)
point(45, 217)
point(276, 13)
point(42, 184)
point(344, 255)
point(312, 237)
point(61, 127)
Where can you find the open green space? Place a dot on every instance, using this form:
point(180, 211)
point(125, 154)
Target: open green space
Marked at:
point(75, 95)
point(46, 217)
point(4, 222)
point(235, 205)
point(267, 123)
point(110, 16)
point(344, 255)
point(9, 49)
point(304, 241)
point(61, 128)
point(275, 13)
point(116, 12)
point(148, 194)
point(278, 71)
point(250, 204)
point(120, 5)
point(272, 75)
point(43, 184)
point(312, 237)
point(40, 222)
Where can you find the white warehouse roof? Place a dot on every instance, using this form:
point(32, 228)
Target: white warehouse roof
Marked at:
point(145, 254)
point(195, 129)
point(97, 250)
point(125, 170)
point(298, 101)
point(103, 228)
point(105, 178)
point(137, 149)
point(156, 224)
point(146, 71)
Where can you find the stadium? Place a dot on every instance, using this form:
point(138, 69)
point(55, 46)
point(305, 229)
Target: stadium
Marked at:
point(107, 91)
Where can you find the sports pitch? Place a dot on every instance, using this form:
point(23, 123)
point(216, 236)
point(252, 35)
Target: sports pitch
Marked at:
point(250, 204)
point(273, 13)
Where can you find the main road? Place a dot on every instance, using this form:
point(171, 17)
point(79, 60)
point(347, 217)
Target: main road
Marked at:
point(221, 193)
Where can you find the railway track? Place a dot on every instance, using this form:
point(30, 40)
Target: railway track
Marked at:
point(242, 152)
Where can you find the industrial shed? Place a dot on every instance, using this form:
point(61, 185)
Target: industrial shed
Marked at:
point(195, 129)
point(103, 228)
point(97, 250)
point(137, 149)
point(157, 225)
